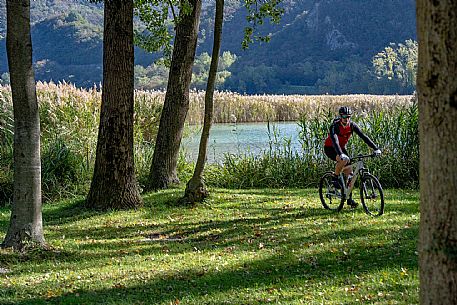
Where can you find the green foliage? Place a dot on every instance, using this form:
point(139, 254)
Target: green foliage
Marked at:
point(257, 246)
point(70, 119)
point(201, 69)
point(393, 128)
point(155, 76)
point(398, 62)
point(61, 170)
point(396, 132)
point(69, 126)
point(155, 33)
point(257, 12)
point(6, 146)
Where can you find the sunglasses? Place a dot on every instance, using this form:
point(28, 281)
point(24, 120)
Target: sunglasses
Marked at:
point(345, 116)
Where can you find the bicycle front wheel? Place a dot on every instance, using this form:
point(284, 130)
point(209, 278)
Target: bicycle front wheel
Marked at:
point(371, 195)
point(331, 197)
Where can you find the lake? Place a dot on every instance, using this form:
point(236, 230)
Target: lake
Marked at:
point(240, 138)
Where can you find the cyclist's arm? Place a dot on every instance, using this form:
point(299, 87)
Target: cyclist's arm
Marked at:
point(365, 138)
point(334, 138)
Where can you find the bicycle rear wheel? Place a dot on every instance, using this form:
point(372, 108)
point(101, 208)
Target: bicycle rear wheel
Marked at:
point(371, 195)
point(331, 197)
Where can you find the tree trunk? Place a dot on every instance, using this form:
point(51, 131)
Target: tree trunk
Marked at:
point(114, 184)
point(166, 152)
point(437, 92)
point(196, 190)
point(26, 224)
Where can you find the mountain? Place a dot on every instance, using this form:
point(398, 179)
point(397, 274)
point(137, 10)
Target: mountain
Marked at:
point(320, 46)
point(67, 39)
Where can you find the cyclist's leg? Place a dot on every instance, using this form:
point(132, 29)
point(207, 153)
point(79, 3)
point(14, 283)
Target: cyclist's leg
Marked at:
point(346, 167)
point(330, 152)
point(347, 170)
point(340, 165)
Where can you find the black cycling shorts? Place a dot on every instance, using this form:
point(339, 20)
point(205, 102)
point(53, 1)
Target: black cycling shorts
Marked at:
point(330, 151)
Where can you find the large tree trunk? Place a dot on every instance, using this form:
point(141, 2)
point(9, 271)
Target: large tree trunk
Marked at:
point(196, 189)
point(114, 184)
point(26, 220)
point(437, 91)
point(166, 151)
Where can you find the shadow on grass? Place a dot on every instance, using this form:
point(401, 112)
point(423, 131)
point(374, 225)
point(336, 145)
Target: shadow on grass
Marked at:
point(63, 213)
point(220, 236)
point(269, 226)
point(282, 269)
point(70, 211)
point(255, 217)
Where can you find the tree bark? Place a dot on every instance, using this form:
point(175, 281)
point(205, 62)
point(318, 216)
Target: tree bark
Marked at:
point(166, 152)
point(26, 226)
point(437, 92)
point(114, 185)
point(196, 189)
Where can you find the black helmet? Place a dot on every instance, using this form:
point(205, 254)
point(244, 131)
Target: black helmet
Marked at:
point(345, 111)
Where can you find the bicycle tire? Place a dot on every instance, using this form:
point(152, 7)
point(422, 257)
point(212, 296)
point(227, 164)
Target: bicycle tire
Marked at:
point(371, 190)
point(327, 191)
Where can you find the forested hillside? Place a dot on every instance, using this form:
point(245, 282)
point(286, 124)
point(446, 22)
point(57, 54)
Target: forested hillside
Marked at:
point(319, 46)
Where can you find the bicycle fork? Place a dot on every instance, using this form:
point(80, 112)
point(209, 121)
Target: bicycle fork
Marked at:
point(369, 190)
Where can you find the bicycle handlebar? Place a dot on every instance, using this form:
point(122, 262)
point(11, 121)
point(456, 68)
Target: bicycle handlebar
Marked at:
point(358, 157)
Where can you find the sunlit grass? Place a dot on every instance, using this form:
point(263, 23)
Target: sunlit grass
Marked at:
point(255, 246)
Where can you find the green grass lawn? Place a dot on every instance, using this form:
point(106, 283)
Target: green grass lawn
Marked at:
point(257, 246)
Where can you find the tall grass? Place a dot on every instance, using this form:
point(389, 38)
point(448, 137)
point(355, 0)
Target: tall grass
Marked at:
point(231, 106)
point(70, 119)
point(6, 146)
point(394, 127)
point(69, 127)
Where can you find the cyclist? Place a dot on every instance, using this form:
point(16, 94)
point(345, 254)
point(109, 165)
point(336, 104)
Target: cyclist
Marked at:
point(335, 145)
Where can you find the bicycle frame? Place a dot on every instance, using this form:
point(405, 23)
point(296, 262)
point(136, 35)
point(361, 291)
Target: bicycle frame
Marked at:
point(333, 197)
point(358, 170)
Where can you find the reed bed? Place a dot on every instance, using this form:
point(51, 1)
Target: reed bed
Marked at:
point(233, 107)
point(393, 127)
point(229, 106)
point(69, 127)
point(70, 119)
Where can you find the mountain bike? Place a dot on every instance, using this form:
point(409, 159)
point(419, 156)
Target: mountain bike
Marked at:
point(371, 193)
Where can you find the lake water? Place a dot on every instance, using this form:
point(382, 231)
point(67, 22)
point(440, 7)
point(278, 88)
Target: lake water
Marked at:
point(240, 138)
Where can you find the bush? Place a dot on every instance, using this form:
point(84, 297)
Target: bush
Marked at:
point(62, 171)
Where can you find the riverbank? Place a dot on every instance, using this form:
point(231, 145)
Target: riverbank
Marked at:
point(69, 120)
